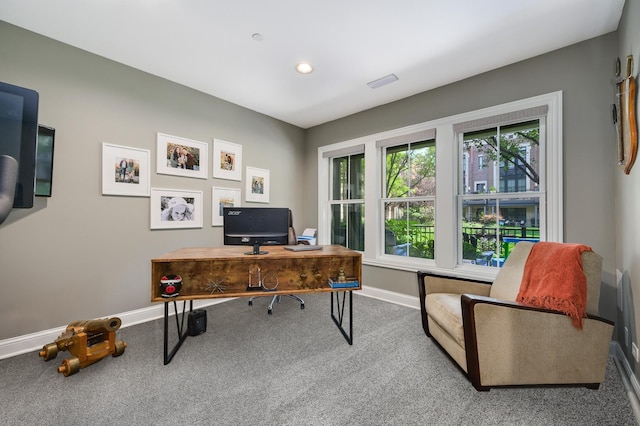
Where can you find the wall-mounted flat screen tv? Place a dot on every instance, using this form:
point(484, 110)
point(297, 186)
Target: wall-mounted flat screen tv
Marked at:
point(18, 136)
point(44, 160)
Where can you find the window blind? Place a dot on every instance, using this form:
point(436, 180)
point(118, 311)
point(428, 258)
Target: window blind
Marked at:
point(500, 119)
point(343, 152)
point(423, 135)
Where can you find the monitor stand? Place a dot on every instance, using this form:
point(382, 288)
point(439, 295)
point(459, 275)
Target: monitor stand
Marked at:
point(256, 250)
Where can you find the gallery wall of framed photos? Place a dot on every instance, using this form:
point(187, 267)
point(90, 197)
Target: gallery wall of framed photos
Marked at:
point(126, 171)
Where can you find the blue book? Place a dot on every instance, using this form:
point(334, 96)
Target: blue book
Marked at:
point(345, 284)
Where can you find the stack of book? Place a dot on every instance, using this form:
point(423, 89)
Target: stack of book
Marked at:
point(348, 283)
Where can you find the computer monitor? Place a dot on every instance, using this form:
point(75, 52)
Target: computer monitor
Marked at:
point(256, 226)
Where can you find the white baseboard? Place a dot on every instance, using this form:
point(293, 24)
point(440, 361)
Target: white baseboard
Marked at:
point(391, 296)
point(35, 341)
point(628, 378)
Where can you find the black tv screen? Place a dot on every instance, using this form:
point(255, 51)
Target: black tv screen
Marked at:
point(256, 226)
point(18, 137)
point(44, 160)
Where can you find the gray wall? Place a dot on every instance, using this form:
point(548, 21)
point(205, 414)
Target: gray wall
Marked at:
point(584, 73)
point(81, 255)
point(627, 205)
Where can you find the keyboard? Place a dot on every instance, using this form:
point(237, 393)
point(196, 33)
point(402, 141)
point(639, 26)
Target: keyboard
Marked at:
point(302, 247)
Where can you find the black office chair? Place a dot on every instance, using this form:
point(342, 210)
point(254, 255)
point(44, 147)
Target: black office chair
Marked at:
point(293, 240)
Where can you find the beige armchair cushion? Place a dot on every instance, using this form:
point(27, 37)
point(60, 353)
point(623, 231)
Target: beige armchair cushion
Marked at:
point(507, 282)
point(446, 310)
point(592, 267)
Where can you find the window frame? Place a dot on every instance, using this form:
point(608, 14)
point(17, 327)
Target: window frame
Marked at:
point(447, 251)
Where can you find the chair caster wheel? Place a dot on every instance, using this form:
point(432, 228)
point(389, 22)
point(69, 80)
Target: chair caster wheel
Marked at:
point(302, 306)
point(270, 311)
point(250, 302)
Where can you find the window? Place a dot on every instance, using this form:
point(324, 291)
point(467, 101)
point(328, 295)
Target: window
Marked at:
point(491, 224)
point(409, 198)
point(481, 187)
point(347, 201)
point(495, 178)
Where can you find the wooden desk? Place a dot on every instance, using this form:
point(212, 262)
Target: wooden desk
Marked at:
point(217, 272)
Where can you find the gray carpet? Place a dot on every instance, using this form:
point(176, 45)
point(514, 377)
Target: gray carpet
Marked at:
point(290, 368)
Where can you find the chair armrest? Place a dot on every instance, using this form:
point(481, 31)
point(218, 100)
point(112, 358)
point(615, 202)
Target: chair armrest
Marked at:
point(434, 283)
point(473, 299)
point(543, 342)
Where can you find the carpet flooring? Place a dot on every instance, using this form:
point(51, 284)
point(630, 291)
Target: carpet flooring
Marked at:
point(290, 368)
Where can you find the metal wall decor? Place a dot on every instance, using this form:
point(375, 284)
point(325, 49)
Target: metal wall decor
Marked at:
point(624, 116)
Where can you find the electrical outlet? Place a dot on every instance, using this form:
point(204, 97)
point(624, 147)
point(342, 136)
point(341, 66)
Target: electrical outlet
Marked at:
point(634, 352)
point(626, 337)
point(620, 302)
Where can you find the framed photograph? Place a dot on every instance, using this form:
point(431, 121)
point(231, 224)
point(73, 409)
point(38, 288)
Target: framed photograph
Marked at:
point(227, 160)
point(173, 208)
point(221, 198)
point(257, 189)
point(125, 171)
point(182, 157)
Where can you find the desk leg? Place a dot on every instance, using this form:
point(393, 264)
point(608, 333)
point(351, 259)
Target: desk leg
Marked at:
point(182, 335)
point(340, 314)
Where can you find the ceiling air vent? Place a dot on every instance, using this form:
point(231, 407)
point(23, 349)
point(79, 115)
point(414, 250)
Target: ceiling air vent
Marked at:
point(382, 81)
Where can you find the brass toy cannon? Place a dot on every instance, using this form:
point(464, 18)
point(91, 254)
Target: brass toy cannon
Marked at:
point(88, 341)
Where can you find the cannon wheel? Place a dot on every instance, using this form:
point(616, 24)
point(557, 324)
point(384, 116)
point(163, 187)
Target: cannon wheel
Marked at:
point(69, 366)
point(120, 346)
point(49, 351)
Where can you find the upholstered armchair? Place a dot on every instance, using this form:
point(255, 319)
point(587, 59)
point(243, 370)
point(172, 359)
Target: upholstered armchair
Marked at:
point(499, 342)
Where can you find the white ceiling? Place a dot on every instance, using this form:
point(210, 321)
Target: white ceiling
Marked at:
point(207, 44)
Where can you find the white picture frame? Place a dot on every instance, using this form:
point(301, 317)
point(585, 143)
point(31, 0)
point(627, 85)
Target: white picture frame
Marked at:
point(227, 160)
point(257, 185)
point(220, 198)
point(175, 208)
point(126, 171)
point(181, 157)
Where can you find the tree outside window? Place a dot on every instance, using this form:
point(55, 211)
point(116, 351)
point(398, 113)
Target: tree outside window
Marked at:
point(347, 201)
point(409, 202)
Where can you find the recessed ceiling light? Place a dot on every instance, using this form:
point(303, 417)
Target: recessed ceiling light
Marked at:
point(382, 81)
point(304, 68)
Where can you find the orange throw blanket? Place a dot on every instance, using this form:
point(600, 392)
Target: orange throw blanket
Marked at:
point(553, 278)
